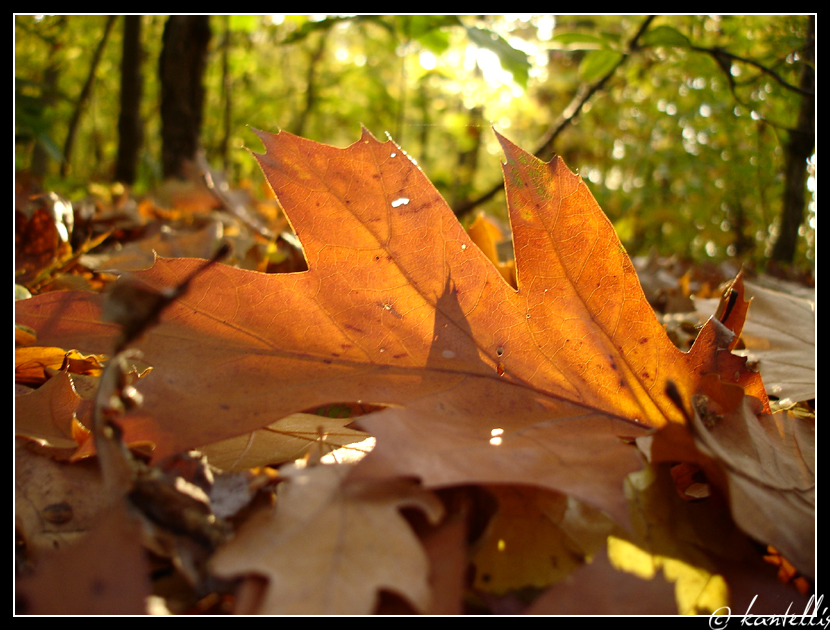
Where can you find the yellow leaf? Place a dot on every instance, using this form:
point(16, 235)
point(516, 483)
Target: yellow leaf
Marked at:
point(665, 537)
point(535, 539)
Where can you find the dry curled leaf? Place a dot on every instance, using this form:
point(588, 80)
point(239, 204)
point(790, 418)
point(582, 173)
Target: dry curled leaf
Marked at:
point(764, 464)
point(327, 548)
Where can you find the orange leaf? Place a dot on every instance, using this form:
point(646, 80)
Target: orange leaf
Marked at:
point(31, 363)
point(400, 308)
point(486, 235)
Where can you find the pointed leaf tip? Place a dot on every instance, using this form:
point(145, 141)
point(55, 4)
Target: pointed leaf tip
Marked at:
point(514, 151)
point(263, 137)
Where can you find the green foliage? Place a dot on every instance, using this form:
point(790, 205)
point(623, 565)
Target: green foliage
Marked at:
point(665, 36)
point(682, 146)
point(512, 60)
point(32, 121)
point(598, 63)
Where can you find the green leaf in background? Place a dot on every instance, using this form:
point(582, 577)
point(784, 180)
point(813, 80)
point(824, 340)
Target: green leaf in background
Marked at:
point(511, 59)
point(312, 26)
point(666, 36)
point(429, 30)
point(598, 63)
point(244, 23)
point(580, 41)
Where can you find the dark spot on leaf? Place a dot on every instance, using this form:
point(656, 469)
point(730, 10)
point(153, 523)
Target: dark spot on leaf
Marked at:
point(58, 513)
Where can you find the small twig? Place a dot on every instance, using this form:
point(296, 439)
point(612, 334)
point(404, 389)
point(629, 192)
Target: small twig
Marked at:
point(220, 190)
point(136, 309)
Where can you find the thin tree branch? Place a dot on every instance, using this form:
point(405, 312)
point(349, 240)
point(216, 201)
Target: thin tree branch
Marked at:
point(569, 114)
point(720, 56)
point(82, 99)
point(723, 59)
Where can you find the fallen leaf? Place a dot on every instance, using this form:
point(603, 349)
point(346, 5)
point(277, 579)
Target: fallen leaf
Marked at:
point(484, 383)
point(37, 244)
point(55, 502)
point(105, 573)
point(46, 414)
point(787, 573)
point(672, 535)
point(535, 539)
point(328, 548)
point(699, 548)
point(487, 235)
point(764, 464)
point(600, 589)
point(779, 335)
point(166, 242)
point(446, 549)
point(283, 441)
point(31, 364)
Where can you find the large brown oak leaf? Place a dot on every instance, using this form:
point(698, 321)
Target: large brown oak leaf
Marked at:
point(484, 383)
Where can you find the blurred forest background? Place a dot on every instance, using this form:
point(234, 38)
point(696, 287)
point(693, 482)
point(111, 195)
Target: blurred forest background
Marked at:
point(696, 134)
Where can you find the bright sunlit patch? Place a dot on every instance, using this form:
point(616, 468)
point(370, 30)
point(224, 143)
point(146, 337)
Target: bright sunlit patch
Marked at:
point(427, 60)
point(400, 202)
point(495, 436)
point(490, 66)
point(349, 454)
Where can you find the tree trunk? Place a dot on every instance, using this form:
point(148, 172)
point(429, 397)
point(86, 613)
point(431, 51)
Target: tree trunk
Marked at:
point(227, 91)
point(311, 87)
point(798, 150)
point(181, 67)
point(40, 154)
point(130, 128)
